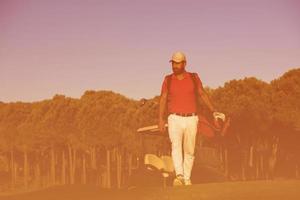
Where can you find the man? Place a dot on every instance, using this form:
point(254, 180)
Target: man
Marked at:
point(179, 101)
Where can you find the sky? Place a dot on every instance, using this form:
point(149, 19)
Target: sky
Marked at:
point(69, 46)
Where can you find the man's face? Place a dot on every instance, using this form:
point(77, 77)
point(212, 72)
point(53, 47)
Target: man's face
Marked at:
point(178, 67)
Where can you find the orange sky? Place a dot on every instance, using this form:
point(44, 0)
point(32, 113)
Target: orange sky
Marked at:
point(59, 47)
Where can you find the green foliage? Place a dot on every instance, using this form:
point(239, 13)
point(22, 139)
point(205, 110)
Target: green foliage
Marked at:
point(107, 119)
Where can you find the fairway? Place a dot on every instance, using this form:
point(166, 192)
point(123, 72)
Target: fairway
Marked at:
point(213, 191)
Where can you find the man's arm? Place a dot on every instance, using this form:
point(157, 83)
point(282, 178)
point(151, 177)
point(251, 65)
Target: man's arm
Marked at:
point(162, 106)
point(162, 109)
point(203, 94)
point(207, 102)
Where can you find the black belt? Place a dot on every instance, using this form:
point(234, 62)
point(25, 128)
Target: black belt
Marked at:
point(185, 114)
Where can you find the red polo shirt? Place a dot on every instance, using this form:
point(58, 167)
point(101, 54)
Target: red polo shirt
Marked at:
point(181, 97)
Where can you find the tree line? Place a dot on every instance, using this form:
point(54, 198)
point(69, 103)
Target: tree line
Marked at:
point(93, 139)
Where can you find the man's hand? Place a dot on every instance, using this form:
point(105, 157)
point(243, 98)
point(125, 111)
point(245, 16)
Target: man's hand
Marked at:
point(161, 126)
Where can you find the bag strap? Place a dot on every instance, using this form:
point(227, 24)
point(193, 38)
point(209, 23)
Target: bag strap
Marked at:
point(169, 79)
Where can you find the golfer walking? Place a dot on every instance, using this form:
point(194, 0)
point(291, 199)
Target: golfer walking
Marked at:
point(178, 101)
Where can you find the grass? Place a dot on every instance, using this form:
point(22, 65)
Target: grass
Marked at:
point(264, 190)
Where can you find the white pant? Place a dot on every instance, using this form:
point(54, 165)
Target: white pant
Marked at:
point(183, 130)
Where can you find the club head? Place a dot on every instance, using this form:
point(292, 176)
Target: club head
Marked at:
point(218, 115)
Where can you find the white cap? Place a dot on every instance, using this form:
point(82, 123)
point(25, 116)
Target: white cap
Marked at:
point(178, 57)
